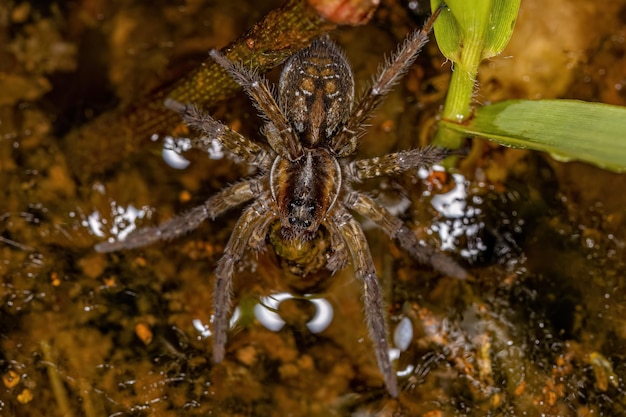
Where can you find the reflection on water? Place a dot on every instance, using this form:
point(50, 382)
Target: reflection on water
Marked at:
point(119, 224)
point(402, 339)
point(173, 149)
point(203, 329)
point(460, 219)
point(403, 334)
point(267, 311)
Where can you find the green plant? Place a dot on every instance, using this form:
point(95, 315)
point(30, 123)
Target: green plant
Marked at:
point(469, 31)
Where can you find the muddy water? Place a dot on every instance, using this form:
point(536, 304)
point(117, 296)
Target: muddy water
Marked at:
point(539, 329)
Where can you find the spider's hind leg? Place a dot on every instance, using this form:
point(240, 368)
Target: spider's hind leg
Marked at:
point(397, 162)
point(344, 143)
point(232, 141)
point(282, 138)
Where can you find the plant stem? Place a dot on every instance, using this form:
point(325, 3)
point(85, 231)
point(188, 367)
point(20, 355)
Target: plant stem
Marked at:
point(460, 92)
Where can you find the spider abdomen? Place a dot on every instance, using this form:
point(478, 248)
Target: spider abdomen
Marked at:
point(316, 91)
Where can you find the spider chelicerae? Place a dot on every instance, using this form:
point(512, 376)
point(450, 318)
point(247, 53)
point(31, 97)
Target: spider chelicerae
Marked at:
point(306, 173)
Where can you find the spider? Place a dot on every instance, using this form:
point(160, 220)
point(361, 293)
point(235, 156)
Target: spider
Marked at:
point(306, 173)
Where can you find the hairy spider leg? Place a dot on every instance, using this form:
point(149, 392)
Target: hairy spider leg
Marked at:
point(345, 142)
point(339, 258)
point(254, 221)
point(215, 206)
point(396, 163)
point(278, 130)
point(354, 238)
point(232, 141)
point(396, 229)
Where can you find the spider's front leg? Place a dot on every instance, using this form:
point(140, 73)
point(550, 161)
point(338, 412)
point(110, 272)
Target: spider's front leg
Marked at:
point(339, 258)
point(254, 221)
point(354, 238)
point(396, 229)
point(176, 226)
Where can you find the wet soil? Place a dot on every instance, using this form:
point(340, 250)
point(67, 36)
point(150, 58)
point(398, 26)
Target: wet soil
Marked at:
point(539, 329)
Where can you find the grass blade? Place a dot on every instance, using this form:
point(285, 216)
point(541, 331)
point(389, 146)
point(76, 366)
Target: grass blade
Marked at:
point(567, 129)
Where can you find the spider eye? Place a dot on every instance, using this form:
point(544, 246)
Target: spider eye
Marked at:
point(305, 223)
point(301, 213)
point(293, 205)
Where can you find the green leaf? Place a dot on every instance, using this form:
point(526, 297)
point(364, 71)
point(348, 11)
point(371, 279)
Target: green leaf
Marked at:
point(501, 24)
point(447, 32)
point(472, 30)
point(568, 129)
point(468, 31)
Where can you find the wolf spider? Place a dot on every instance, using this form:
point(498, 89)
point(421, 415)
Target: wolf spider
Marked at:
point(305, 177)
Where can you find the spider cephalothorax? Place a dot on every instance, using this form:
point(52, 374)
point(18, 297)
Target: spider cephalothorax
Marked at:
point(305, 177)
point(305, 189)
